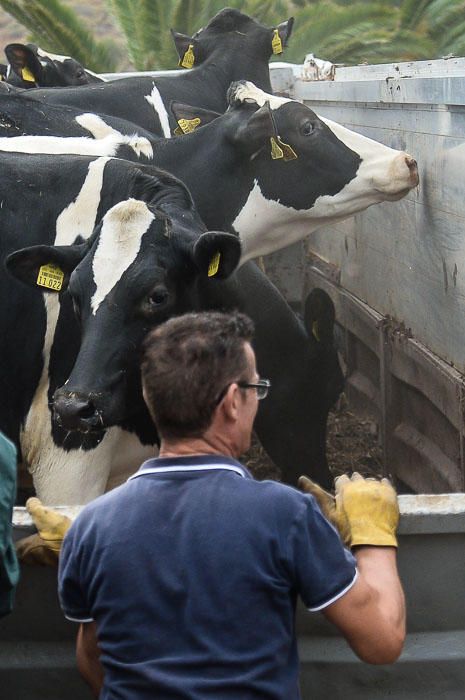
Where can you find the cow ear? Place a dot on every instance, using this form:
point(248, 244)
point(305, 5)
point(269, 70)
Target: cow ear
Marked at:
point(281, 35)
point(48, 268)
point(319, 316)
point(254, 133)
point(187, 49)
point(24, 62)
point(189, 118)
point(217, 254)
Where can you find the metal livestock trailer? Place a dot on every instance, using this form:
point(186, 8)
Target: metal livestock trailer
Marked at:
point(394, 273)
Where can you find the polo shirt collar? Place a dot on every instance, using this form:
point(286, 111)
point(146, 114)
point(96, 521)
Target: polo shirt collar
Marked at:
point(191, 464)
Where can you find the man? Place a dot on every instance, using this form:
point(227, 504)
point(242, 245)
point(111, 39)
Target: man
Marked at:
point(185, 579)
point(9, 569)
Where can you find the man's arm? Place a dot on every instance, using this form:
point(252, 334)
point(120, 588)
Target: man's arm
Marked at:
point(88, 657)
point(371, 615)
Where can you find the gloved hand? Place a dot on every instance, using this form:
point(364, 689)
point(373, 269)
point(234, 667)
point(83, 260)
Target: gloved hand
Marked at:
point(364, 511)
point(371, 508)
point(328, 506)
point(43, 548)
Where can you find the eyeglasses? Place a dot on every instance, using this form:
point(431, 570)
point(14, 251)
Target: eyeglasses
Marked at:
point(262, 387)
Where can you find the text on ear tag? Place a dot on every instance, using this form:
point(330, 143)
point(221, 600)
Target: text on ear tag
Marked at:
point(276, 43)
point(214, 265)
point(51, 277)
point(188, 58)
point(186, 126)
point(27, 75)
point(315, 332)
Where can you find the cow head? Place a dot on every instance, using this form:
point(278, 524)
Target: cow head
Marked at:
point(30, 66)
point(303, 171)
point(138, 268)
point(231, 31)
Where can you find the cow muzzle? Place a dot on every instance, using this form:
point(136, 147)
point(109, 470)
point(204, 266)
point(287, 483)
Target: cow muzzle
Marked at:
point(403, 177)
point(77, 412)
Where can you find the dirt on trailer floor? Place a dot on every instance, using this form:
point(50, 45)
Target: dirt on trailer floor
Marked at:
point(352, 444)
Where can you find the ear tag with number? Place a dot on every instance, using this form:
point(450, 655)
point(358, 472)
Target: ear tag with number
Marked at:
point(279, 149)
point(51, 277)
point(214, 265)
point(27, 75)
point(315, 332)
point(276, 43)
point(186, 126)
point(188, 58)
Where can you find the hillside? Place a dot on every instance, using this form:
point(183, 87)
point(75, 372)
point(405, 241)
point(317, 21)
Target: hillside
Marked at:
point(93, 12)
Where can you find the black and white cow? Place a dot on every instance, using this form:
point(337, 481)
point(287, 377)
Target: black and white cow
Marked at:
point(29, 66)
point(328, 174)
point(232, 46)
point(133, 228)
point(20, 115)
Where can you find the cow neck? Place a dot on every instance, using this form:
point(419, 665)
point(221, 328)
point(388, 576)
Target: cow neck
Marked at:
point(218, 72)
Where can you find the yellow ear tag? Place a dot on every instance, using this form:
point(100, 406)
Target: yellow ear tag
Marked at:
point(315, 332)
point(51, 277)
point(188, 58)
point(214, 265)
point(186, 126)
point(276, 43)
point(279, 149)
point(27, 75)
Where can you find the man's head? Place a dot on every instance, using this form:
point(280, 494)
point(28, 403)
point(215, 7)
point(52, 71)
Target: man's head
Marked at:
point(192, 369)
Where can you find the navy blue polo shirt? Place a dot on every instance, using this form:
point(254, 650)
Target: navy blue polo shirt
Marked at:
point(191, 571)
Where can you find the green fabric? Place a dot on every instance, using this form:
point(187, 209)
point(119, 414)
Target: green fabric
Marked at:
point(9, 568)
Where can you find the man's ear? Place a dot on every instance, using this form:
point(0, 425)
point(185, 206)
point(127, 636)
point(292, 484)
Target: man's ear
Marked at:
point(190, 118)
point(217, 254)
point(48, 268)
point(24, 62)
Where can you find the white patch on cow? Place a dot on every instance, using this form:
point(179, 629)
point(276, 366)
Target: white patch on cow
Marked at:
point(96, 75)
point(266, 225)
point(157, 103)
point(78, 219)
point(383, 174)
point(99, 130)
point(52, 56)
point(119, 243)
point(76, 145)
point(248, 92)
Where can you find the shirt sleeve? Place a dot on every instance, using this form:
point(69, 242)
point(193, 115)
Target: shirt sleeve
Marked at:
point(324, 570)
point(9, 568)
point(70, 591)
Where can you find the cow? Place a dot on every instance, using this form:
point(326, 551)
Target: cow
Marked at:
point(117, 293)
point(21, 115)
point(109, 215)
point(29, 66)
point(323, 172)
point(232, 46)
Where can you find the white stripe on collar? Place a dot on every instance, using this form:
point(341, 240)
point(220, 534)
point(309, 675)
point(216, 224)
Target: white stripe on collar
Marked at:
point(191, 468)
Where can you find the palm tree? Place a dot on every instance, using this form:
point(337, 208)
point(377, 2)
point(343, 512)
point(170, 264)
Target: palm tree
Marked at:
point(57, 28)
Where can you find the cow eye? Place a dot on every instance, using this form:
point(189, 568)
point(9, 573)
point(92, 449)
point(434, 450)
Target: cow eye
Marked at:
point(158, 297)
point(307, 128)
point(80, 73)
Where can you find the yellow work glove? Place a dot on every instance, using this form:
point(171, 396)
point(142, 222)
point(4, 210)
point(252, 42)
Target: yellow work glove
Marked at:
point(43, 548)
point(371, 508)
point(328, 506)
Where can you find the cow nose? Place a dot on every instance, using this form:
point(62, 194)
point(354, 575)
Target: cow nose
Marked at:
point(413, 167)
point(76, 412)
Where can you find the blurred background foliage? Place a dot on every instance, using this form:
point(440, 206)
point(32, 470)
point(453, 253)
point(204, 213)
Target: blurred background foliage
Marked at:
point(134, 34)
